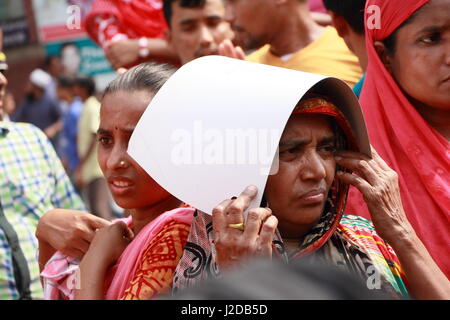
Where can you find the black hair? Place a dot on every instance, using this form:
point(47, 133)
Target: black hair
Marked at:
point(167, 7)
point(48, 60)
point(149, 76)
point(351, 10)
point(66, 82)
point(86, 83)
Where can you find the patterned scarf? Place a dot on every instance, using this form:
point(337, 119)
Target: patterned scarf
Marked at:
point(349, 242)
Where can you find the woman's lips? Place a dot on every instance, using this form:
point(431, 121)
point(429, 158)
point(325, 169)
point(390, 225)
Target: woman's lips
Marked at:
point(120, 186)
point(313, 196)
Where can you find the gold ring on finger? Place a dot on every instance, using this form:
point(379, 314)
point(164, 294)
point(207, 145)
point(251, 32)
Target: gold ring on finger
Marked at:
point(239, 226)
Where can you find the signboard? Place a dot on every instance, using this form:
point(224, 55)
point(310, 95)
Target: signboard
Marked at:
point(14, 23)
point(83, 56)
point(60, 20)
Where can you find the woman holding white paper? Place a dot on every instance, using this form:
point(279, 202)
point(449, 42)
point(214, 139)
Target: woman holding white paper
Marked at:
point(303, 214)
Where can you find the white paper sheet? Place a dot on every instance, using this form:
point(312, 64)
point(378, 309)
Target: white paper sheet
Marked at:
point(190, 138)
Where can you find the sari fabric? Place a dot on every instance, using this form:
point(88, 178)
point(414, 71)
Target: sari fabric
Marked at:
point(409, 145)
point(144, 269)
point(350, 242)
point(353, 246)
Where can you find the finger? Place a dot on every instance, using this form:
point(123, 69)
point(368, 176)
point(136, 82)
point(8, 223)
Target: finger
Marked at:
point(235, 210)
point(255, 219)
point(88, 235)
point(219, 219)
point(267, 233)
point(379, 160)
point(124, 231)
point(240, 53)
point(365, 169)
point(74, 253)
point(93, 223)
point(222, 49)
point(98, 223)
point(359, 183)
point(82, 245)
point(226, 48)
point(122, 226)
point(129, 235)
point(351, 154)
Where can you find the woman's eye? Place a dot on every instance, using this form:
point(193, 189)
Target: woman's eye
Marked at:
point(431, 39)
point(328, 148)
point(289, 151)
point(104, 141)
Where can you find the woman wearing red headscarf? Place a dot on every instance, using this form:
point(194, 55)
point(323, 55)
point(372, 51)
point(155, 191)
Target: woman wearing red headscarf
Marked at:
point(406, 104)
point(130, 31)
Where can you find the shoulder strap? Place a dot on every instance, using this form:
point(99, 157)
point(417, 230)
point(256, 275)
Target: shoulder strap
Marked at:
point(20, 265)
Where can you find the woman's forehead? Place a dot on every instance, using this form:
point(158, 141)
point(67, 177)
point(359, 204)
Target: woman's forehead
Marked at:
point(307, 124)
point(125, 103)
point(310, 121)
point(434, 13)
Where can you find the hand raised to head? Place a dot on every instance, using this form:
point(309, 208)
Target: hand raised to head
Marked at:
point(379, 186)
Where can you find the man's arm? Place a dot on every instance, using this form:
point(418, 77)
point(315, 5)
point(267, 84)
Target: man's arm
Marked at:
point(125, 53)
point(53, 129)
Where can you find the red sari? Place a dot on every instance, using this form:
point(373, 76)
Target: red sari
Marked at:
point(410, 146)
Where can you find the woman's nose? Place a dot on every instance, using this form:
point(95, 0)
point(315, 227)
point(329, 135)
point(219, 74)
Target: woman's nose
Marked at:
point(118, 158)
point(313, 167)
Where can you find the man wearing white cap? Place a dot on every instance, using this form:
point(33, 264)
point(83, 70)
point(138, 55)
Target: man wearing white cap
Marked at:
point(38, 108)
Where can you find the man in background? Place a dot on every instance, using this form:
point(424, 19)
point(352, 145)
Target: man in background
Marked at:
point(88, 175)
point(348, 19)
point(196, 27)
point(66, 93)
point(290, 38)
point(39, 108)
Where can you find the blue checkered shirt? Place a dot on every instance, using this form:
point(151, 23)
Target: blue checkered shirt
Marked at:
point(32, 181)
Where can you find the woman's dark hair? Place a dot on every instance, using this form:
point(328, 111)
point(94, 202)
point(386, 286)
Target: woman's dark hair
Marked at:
point(149, 76)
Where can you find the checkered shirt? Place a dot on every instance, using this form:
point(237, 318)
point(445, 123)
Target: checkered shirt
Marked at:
point(32, 181)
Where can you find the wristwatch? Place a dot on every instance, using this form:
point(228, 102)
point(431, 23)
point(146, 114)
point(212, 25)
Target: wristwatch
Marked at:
point(144, 51)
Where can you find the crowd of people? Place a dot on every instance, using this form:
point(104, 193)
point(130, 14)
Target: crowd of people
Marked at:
point(64, 154)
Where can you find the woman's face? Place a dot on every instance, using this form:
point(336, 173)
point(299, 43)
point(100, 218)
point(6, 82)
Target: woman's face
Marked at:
point(130, 185)
point(421, 61)
point(297, 193)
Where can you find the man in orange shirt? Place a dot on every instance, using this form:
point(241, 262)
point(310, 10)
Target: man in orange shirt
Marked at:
point(291, 38)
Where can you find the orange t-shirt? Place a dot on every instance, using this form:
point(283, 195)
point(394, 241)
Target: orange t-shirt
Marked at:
point(328, 55)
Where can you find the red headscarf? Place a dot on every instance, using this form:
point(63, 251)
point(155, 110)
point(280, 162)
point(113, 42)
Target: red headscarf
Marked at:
point(138, 18)
point(415, 150)
point(316, 105)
